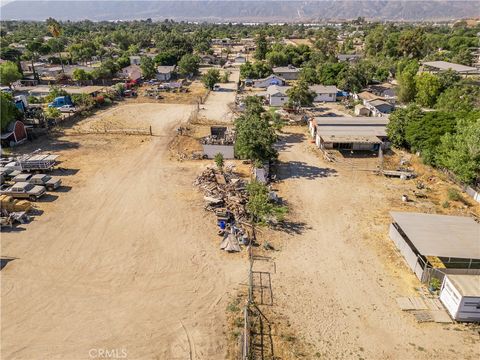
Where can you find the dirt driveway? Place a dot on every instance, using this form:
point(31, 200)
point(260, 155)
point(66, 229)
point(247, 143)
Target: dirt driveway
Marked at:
point(216, 108)
point(337, 272)
point(126, 260)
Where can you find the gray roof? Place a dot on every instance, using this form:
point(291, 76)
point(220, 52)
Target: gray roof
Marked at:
point(351, 131)
point(166, 69)
point(444, 65)
point(441, 235)
point(340, 121)
point(275, 89)
point(467, 285)
point(321, 89)
point(377, 103)
point(286, 69)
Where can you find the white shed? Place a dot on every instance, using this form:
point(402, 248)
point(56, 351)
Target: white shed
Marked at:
point(460, 294)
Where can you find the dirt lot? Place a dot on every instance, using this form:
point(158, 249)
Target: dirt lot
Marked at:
point(338, 274)
point(124, 258)
point(137, 116)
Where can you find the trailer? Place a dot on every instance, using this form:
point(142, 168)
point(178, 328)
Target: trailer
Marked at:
point(33, 163)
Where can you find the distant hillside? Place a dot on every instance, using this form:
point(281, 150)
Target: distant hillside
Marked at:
point(246, 11)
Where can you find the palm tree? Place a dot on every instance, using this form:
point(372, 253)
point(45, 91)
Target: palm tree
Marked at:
point(56, 30)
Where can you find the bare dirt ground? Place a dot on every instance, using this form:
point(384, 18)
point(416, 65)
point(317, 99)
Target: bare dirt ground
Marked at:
point(216, 108)
point(137, 116)
point(338, 274)
point(124, 258)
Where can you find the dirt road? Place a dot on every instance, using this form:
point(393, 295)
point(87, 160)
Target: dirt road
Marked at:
point(336, 281)
point(126, 261)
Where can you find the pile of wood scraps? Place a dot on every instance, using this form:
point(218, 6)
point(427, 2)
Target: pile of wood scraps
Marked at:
point(223, 190)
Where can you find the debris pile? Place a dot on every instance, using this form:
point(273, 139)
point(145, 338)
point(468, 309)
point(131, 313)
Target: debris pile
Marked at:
point(224, 137)
point(224, 190)
point(226, 195)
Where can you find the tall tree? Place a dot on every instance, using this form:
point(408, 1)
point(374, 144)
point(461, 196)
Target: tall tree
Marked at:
point(406, 80)
point(148, 67)
point(460, 152)
point(56, 31)
point(262, 47)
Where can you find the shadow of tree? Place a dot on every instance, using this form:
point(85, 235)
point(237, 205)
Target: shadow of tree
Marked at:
point(288, 139)
point(292, 227)
point(300, 169)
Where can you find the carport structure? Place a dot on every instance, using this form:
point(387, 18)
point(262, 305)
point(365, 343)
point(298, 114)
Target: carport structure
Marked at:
point(435, 245)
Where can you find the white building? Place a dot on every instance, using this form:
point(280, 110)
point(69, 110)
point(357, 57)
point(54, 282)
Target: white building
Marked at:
point(277, 95)
point(349, 133)
point(460, 294)
point(164, 73)
point(324, 93)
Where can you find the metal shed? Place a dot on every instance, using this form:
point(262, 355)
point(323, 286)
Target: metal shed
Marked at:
point(435, 245)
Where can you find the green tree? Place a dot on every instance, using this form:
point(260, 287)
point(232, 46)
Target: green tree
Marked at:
point(300, 95)
point(428, 88)
point(210, 78)
point(147, 65)
point(459, 98)
point(424, 134)
point(261, 47)
point(255, 136)
point(308, 75)
point(8, 110)
point(277, 58)
point(398, 122)
point(260, 207)
point(9, 73)
point(189, 64)
point(460, 152)
point(81, 76)
point(406, 81)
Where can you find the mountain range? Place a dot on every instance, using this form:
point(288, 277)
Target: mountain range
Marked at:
point(241, 11)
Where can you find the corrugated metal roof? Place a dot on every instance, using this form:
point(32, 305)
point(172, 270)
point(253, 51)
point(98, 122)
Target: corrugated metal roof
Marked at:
point(467, 285)
point(444, 65)
point(351, 121)
point(441, 235)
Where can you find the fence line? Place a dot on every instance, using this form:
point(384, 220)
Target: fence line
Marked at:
point(116, 131)
point(255, 322)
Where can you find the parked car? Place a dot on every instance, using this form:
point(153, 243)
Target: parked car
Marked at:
point(50, 182)
point(22, 178)
point(23, 190)
point(9, 173)
point(67, 109)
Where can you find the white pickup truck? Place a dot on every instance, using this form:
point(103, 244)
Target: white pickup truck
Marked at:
point(23, 190)
point(50, 182)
